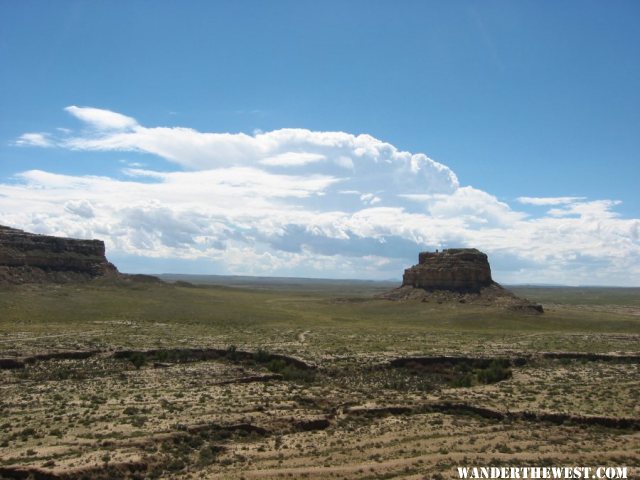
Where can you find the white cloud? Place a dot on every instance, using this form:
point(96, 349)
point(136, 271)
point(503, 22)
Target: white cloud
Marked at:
point(334, 152)
point(292, 159)
point(34, 140)
point(231, 203)
point(370, 199)
point(598, 209)
point(81, 208)
point(102, 119)
point(229, 214)
point(548, 200)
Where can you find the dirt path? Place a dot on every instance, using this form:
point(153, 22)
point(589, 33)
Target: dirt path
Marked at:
point(302, 336)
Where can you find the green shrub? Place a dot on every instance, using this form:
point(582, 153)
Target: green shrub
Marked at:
point(495, 372)
point(207, 455)
point(290, 372)
point(276, 365)
point(232, 352)
point(463, 381)
point(262, 356)
point(138, 359)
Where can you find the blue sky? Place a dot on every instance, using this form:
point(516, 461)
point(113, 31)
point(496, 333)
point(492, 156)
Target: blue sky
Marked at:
point(328, 139)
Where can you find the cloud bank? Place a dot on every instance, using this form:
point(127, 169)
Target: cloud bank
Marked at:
point(300, 202)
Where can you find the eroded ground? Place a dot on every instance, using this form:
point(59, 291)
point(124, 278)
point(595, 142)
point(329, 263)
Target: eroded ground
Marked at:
point(232, 386)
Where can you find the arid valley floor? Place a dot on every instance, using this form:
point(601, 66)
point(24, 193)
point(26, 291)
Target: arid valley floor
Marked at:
point(234, 379)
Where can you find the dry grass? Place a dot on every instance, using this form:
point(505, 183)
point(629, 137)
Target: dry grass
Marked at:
point(219, 418)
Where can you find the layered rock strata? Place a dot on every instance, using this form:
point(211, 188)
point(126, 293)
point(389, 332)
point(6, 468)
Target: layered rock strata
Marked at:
point(457, 275)
point(31, 258)
point(457, 269)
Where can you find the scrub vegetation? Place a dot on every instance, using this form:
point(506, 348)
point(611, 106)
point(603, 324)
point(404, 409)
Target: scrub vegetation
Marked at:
point(260, 379)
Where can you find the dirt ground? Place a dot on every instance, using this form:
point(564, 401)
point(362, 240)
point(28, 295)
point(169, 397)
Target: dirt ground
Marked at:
point(309, 402)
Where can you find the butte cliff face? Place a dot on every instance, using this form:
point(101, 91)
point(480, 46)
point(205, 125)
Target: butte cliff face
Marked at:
point(456, 269)
point(456, 275)
point(31, 258)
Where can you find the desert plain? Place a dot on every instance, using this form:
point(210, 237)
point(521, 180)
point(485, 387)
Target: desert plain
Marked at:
point(233, 377)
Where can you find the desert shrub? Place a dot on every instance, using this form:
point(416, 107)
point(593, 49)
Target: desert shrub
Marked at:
point(293, 373)
point(232, 352)
point(138, 359)
point(208, 454)
point(176, 464)
point(131, 411)
point(290, 372)
point(161, 356)
point(495, 372)
point(467, 374)
point(276, 365)
point(28, 432)
point(138, 421)
point(262, 356)
point(463, 381)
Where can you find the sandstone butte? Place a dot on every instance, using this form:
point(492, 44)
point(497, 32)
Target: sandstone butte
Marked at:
point(31, 258)
point(460, 275)
point(456, 275)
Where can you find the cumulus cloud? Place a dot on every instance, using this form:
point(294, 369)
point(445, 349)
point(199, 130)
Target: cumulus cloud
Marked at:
point(469, 204)
point(330, 152)
point(292, 159)
point(81, 208)
point(288, 202)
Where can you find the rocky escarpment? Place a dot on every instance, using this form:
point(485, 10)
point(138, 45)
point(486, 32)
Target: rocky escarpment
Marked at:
point(460, 275)
point(458, 269)
point(31, 258)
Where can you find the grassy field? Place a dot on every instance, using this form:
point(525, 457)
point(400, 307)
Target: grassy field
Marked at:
point(182, 413)
point(582, 295)
point(146, 315)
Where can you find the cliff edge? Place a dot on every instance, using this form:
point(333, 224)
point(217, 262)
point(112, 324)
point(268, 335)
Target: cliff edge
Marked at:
point(31, 258)
point(461, 275)
point(457, 269)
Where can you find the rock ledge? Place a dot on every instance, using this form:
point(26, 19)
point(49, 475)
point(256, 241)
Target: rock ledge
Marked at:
point(31, 258)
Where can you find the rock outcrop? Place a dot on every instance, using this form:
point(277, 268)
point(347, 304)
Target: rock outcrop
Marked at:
point(457, 269)
point(31, 258)
point(457, 275)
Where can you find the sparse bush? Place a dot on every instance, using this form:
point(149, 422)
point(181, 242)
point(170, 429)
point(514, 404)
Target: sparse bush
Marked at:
point(138, 359)
point(262, 356)
point(130, 411)
point(277, 365)
point(232, 352)
point(28, 432)
point(207, 455)
point(464, 381)
point(290, 372)
point(494, 373)
point(138, 421)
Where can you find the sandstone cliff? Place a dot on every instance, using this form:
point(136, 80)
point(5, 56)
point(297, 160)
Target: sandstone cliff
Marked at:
point(32, 258)
point(458, 269)
point(456, 275)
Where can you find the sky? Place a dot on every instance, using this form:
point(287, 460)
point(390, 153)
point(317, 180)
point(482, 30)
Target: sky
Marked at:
point(327, 139)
